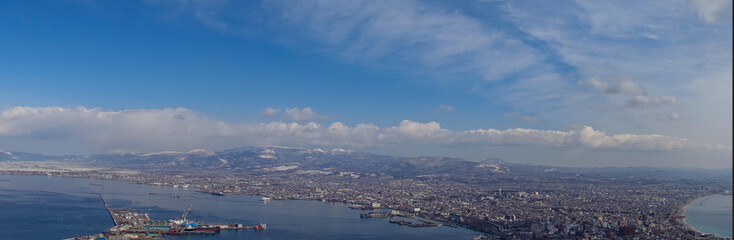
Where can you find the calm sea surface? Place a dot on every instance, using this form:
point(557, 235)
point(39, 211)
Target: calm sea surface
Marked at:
point(28, 213)
point(711, 214)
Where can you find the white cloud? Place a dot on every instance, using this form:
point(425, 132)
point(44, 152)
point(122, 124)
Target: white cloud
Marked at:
point(525, 55)
point(517, 114)
point(301, 115)
point(619, 87)
point(642, 101)
point(596, 83)
point(270, 111)
point(444, 108)
point(85, 129)
point(537, 50)
point(182, 129)
point(514, 114)
point(530, 119)
point(713, 11)
point(629, 87)
point(661, 117)
point(663, 43)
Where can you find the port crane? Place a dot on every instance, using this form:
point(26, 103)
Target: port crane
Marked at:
point(181, 221)
point(185, 213)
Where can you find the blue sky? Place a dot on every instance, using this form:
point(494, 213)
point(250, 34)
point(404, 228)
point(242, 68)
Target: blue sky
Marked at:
point(562, 83)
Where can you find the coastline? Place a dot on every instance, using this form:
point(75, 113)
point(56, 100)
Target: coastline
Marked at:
point(345, 204)
point(675, 219)
point(682, 209)
point(681, 214)
point(335, 221)
point(682, 218)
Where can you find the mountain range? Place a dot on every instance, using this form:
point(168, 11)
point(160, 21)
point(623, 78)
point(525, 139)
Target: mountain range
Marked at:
point(287, 160)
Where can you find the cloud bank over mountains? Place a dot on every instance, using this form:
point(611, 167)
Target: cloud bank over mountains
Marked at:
point(607, 64)
point(634, 77)
point(182, 129)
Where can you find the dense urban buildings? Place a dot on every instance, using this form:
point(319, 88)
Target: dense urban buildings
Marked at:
point(506, 207)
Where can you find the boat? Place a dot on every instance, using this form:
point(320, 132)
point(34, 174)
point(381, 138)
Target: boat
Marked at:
point(375, 215)
point(360, 207)
point(425, 223)
point(262, 226)
point(186, 231)
point(217, 193)
point(204, 229)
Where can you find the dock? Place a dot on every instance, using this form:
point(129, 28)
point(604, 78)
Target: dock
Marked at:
point(376, 215)
point(130, 224)
point(424, 223)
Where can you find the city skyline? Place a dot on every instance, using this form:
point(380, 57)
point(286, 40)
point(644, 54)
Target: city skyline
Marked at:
point(571, 83)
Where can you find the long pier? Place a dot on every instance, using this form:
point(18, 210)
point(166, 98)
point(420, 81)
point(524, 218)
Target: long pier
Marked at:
point(131, 224)
point(105, 206)
point(59, 193)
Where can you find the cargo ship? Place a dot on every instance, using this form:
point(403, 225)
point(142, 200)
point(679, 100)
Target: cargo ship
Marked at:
point(262, 226)
point(425, 223)
point(375, 215)
point(195, 230)
point(204, 229)
point(217, 193)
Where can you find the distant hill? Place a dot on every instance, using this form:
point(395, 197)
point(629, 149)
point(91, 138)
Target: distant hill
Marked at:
point(23, 156)
point(267, 160)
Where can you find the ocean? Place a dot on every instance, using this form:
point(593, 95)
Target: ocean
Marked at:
point(711, 214)
point(39, 207)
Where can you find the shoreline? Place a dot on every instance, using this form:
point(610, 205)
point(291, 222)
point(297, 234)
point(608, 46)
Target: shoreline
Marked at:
point(345, 205)
point(677, 218)
point(682, 212)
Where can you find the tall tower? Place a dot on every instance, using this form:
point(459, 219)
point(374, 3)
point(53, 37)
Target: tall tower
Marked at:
point(500, 192)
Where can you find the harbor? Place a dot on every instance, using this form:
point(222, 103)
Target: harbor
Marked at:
point(82, 213)
point(400, 218)
point(421, 223)
point(130, 224)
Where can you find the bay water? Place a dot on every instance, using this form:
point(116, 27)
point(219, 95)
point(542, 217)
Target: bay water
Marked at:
point(39, 207)
point(711, 214)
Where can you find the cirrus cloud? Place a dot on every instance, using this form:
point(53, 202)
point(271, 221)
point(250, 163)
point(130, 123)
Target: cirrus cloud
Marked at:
point(524, 55)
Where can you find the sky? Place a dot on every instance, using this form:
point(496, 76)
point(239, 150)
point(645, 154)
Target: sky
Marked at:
point(566, 83)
